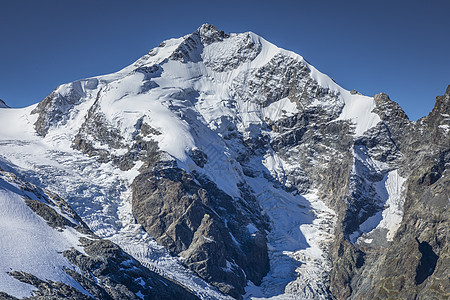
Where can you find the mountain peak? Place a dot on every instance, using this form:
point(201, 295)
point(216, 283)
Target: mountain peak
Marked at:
point(3, 104)
point(207, 27)
point(208, 34)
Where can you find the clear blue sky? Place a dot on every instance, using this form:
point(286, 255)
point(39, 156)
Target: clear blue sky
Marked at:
point(398, 47)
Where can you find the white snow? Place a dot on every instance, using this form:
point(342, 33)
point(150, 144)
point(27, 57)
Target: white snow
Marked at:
point(301, 228)
point(445, 128)
point(29, 244)
point(358, 109)
point(392, 215)
point(391, 191)
point(279, 109)
point(16, 123)
point(210, 240)
point(275, 165)
point(175, 137)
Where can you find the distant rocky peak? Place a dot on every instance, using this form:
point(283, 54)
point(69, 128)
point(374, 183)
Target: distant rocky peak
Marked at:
point(388, 109)
point(437, 123)
point(443, 102)
point(3, 104)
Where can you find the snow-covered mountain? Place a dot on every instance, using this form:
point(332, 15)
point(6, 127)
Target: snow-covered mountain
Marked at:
point(237, 169)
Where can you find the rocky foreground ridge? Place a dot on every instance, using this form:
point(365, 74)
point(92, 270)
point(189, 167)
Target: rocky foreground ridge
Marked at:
point(96, 267)
point(258, 174)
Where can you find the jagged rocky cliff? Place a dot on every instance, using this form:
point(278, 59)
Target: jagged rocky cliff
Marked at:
point(413, 264)
point(237, 169)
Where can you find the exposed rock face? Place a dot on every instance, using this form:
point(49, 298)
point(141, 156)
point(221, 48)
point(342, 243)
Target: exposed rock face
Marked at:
point(204, 225)
point(239, 149)
point(54, 108)
point(412, 265)
point(97, 128)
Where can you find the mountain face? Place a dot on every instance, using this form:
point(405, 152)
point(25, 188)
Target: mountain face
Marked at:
point(237, 169)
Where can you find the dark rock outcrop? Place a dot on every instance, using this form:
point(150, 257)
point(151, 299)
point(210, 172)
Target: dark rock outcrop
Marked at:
point(197, 221)
point(110, 273)
point(48, 289)
point(54, 108)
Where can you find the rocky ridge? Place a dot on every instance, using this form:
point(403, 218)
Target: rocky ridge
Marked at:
point(98, 268)
point(414, 263)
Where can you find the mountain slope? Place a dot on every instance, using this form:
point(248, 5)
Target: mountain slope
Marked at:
point(54, 254)
point(3, 104)
point(415, 263)
point(37, 245)
point(222, 161)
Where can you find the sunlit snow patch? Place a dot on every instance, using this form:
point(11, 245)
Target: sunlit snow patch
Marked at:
point(391, 191)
